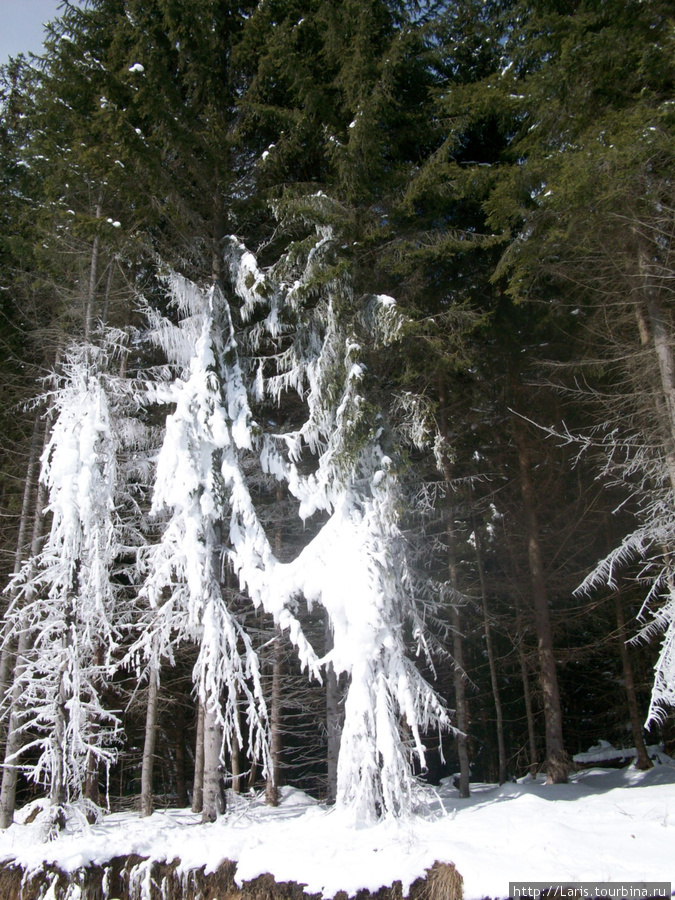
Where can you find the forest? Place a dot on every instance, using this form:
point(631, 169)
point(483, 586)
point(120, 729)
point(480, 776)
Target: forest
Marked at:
point(337, 430)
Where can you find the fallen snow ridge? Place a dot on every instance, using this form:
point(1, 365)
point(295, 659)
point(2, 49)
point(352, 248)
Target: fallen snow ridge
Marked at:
point(609, 825)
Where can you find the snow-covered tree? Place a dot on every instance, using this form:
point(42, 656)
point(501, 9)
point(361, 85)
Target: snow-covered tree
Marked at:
point(305, 333)
point(65, 597)
point(209, 516)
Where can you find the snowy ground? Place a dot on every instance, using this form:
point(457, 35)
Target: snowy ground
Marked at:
point(607, 825)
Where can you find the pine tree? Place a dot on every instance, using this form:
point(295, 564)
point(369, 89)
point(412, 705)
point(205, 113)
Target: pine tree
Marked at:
point(65, 599)
point(587, 209)
point(199, 482)
point(306, 306)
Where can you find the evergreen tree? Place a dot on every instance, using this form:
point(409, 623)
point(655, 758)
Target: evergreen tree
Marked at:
point(65, 600)
point(305, 305)
point(587, 209)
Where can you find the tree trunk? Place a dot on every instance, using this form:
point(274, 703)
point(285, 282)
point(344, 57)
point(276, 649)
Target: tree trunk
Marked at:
point(333, 721)
point(58, 794)
point(491, 656)
point(236, 766)
point(527, 695)
point(556, 759)
point(235, 757)
point(214, 797)
point(106, 295)
point(93, 279)
point(91, 785)
point(274, 775)
point(29, 498)
point(643, 761)
point(148, 765)
point(179, 749)
point(462, 707)
point(198, 783)
point(648, 315)
point(459, 674)
point(91, 788)
point(14, 736)
point(10, 771)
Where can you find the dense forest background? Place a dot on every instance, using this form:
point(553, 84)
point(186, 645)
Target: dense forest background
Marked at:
point(341, 333)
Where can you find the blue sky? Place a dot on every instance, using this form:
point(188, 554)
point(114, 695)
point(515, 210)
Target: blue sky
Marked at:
point(21, 25)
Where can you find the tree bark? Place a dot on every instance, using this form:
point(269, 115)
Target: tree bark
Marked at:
point(27, 508)
point(148, 765)
point(93, 279)
point(106, 295)
point(527, 695)
point(643, 761)
point(276, 744)
point(556, 759)
point(198, 783)
point(236, 766)
point(491, 656)
point(10, 771)
point(58, 793)
point(179, 749)
point(462, 707)
point(648, 314)
point(235, 756)
point(91, 786)
point(459, 673)
point(214, 797)
point(333, 721)
point(14, 736)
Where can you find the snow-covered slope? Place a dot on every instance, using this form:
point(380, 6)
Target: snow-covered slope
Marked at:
point(608, 825)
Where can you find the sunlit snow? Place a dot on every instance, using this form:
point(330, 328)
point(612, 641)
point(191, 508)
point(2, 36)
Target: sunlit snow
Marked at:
point(609, 825)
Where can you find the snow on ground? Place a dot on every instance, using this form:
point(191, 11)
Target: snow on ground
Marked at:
point(606, 825)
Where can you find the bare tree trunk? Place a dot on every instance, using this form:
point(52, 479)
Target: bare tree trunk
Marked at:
point(522, 657)
point(10, 771)
point(179, 749)
point(459, 673)
point(527, 695)
point(91, 785)
point(643, 760)
point(214, 797)
point(93, 279)
point(276, 744)
point(462, 706)
point(148, 765)
point(106, 295)
point(654, 335)
point(661, 335)
point(491, 656)
point(333, 721)
point(14, 736)
point(556, 759)
point(91, 788)
point(29, 498)
point(58, 793)
point(218, 230)
point(235, 757)
point(198, 784)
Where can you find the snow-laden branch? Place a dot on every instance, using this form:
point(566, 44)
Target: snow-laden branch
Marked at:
point(355, 566)
point(66, 596)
